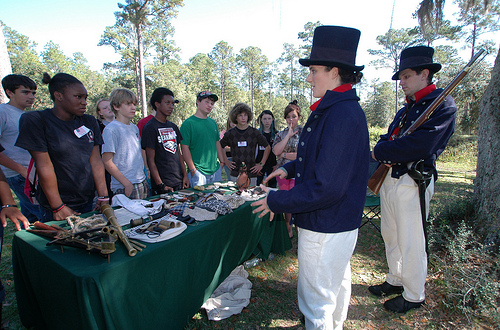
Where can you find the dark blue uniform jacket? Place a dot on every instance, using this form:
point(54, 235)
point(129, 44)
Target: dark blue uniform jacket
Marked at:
point(331, 169)
point(427, 142)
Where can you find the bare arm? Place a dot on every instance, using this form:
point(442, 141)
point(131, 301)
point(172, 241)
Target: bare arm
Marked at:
point(98, 175)
point(258, 167)
point(220, 152)
point(185, 179)
point(146, 166)
point(280, 146)
point(107, 159)
point(186, 154)
point(12, 213)
point(9, 163)
point(289, 155)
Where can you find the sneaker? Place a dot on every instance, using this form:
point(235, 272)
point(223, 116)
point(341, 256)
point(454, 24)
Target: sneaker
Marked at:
point(385, 289)
point(401, 305)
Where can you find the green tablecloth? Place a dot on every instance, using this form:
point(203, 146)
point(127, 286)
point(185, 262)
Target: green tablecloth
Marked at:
point(162, 287)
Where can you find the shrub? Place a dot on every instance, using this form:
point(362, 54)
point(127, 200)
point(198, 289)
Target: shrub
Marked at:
point(469, 270)
point(470, 274)
point(448, 219)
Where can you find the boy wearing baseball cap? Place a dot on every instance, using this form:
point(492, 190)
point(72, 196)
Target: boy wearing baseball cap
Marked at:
point(200, 143)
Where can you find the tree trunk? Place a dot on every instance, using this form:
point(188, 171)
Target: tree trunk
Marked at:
point(252, 103)
point(487, 183)
point(223, 93)
point(137, 77)
point(5, 66)
point(142, 79)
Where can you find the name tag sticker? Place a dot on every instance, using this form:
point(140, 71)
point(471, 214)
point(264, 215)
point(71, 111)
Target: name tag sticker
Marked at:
point(242, 143)
point(81, 131)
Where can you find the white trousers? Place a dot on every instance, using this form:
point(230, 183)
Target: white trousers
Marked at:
point(403, 234)
point(324, 284)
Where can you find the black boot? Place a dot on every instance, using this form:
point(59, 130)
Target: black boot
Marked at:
point(401, 305)
point(385, 289)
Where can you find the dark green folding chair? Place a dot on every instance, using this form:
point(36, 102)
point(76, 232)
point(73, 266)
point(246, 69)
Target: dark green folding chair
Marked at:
point(371, 211)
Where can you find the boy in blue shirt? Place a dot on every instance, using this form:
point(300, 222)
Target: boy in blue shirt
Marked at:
point(121, 151)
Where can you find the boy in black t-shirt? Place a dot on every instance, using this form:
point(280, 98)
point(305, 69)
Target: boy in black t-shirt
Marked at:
point(243, 140)
point(160, 139)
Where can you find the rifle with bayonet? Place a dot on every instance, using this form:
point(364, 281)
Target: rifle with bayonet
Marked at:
point(376, 180)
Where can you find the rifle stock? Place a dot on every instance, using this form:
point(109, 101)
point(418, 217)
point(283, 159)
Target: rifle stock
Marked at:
point(376, 180)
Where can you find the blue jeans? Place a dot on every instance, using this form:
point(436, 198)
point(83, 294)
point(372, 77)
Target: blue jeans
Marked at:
point(29, 210)
point(48, 215)
point(200, 179)
point(227, 169)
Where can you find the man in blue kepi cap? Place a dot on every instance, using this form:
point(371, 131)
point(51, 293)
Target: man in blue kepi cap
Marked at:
point(409, 184)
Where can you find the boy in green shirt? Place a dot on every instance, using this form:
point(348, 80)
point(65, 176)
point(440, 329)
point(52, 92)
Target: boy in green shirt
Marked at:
point(200, 143)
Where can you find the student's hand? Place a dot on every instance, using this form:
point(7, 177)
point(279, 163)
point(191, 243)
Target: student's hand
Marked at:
point(231, 165)
point(100, 202)
point(279, 173)
point(129, 187)
point(261, 206)
point(64, 213)
point(168, 189)
point(290, 132)
point(256, 169)
point(185, 182)
point(15, 216)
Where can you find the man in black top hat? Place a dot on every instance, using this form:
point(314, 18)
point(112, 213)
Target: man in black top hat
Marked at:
point(331, 174)
point(403, 227)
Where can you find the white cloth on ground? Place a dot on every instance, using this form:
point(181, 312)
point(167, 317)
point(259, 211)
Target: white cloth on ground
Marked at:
point(230, 297)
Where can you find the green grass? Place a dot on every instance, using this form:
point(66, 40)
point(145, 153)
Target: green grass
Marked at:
point(274, 299)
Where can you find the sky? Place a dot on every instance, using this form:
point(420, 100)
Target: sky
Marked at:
point(201, 24)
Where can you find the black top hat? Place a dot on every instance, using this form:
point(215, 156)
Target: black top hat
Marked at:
point(419, 57)
point(334, 46)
